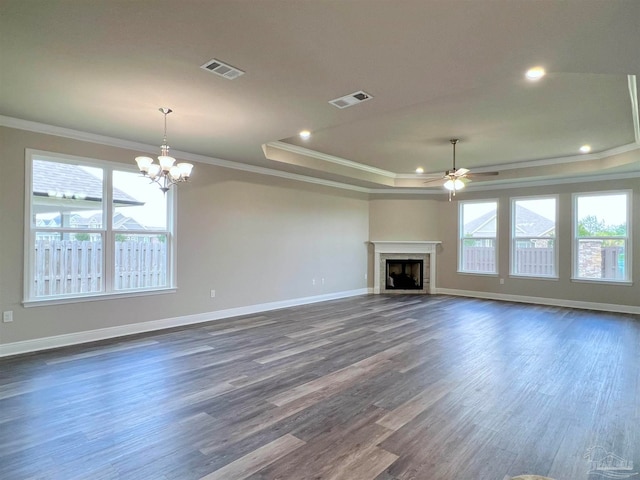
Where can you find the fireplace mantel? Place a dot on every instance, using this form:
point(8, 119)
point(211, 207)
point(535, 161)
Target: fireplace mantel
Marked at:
point(425, 247)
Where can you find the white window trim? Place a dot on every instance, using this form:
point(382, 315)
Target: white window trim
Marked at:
point(107, 232)
point(513, 239)
point(495, 239)
point(628, 280)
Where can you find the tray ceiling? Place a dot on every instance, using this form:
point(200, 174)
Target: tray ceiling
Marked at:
point(435, 70)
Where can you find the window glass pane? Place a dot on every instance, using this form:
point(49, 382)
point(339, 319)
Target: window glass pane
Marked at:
point(602, 215)
point(534, 257)
point(67, 263)
point(535, 218)
point(479, 255)
point(601, 259)
point(66, 195)
point(478, 226)
point(479, 219)
point(533, 232)
point(138, 204)
point(140, 261)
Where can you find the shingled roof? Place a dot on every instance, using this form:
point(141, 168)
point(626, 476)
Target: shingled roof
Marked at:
point(49, 177)
point(530, 224)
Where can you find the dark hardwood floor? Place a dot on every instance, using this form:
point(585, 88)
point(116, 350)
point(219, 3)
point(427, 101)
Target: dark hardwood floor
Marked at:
point(372, 387)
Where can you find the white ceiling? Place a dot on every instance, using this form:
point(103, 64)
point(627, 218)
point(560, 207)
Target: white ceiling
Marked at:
point(436, 70)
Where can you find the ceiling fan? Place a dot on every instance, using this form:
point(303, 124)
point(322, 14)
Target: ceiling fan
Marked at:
point(456, 177)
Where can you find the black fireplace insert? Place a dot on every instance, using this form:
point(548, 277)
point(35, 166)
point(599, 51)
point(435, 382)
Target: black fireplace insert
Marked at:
point(404, 274)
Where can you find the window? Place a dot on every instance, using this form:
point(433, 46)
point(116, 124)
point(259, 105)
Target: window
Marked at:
point(94, 228)
point(533, 236)
point(478, 241)
point(601, 236)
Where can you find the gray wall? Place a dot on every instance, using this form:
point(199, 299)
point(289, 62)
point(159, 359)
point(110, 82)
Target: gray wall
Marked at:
point(252, 238)
point(404, 217)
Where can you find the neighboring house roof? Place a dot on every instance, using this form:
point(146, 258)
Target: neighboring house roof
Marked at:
point(530, 224)
point(50, 177)
point(484, 223)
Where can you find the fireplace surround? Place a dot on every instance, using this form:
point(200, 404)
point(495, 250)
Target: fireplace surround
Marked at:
point(405, 251)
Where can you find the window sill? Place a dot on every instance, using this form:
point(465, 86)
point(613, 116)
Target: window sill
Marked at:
point(599, 281)
point(45, 302)
point(535, 277)
point(482, 274)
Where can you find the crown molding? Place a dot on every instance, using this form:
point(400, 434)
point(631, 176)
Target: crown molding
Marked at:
point(287, 147)
point(514, 184)
point(630, 147)
point(485, 186)
point(418, 176)
point(43, 128)
point(633, 92)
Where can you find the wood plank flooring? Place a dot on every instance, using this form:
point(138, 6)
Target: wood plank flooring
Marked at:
point(367, 388)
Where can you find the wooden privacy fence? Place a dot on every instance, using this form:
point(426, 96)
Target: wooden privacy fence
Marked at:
point(599, 262)
point(74, 266)
point(479, 259)
point(612, 262)
point(534, 261)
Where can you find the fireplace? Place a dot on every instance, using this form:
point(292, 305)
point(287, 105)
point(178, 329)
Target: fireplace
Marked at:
point(413, 264)
point(404, 274)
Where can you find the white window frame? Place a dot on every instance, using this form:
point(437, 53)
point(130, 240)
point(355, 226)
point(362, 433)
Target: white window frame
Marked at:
point(461, 238)
point(514, 239)
point(628, 239)
point(107, 232)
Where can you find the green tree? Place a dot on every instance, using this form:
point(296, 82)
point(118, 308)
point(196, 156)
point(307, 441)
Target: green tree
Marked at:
point(590, 226)
point(82, 237)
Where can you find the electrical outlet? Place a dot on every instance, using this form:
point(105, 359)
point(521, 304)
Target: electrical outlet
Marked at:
point(365, 276)
point(502, 281)
point(7, 316)
point(313, 281)
point(213, 294)
point(322, 280)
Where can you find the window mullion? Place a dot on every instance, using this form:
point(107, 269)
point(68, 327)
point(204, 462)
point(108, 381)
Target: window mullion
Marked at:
point(107, 208)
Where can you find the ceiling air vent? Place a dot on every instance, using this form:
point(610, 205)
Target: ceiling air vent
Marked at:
point(351, 99)
point(223, 69)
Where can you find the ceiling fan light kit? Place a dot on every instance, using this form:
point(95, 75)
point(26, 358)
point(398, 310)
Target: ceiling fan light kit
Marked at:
point(454, 179)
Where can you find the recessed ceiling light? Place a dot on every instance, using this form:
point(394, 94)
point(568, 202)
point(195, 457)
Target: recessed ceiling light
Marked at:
point(304, 134)
point(535, 73)
point(419, 170)
point(585, 148)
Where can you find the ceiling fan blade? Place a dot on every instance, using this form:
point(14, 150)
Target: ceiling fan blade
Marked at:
point(482, 174)
point(431, 175)
point(435, 180)
point(461, 171)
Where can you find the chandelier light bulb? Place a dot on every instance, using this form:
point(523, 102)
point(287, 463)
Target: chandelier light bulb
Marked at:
point(174, 172)
point(144, 163)
point(166, 162)
point(154, 171)
point(185, 169)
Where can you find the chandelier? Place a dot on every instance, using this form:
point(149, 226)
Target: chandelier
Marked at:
point(164, 173)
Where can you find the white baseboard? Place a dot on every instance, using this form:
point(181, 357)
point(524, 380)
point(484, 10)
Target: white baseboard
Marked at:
point(57, 341)
point(556, 302)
